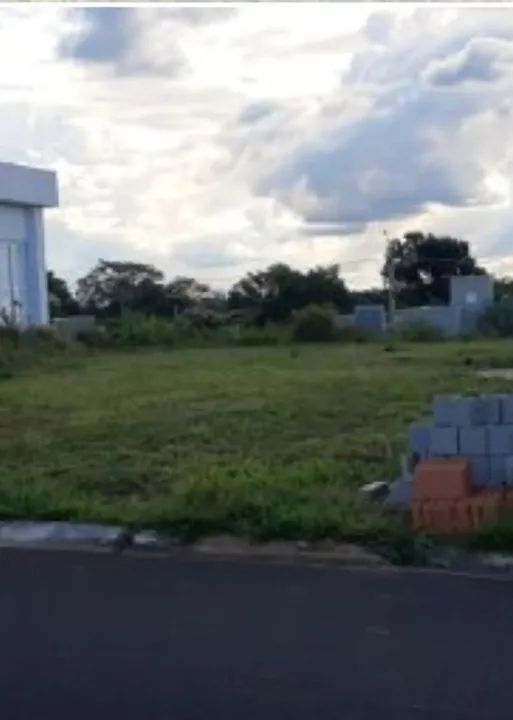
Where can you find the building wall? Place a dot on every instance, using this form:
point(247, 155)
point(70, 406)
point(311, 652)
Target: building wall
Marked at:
point(474, 292)
point(371, 318)
point(20, 185)
point(12, 223)
point(23, 288)
point(24, 192)
point(443, 317)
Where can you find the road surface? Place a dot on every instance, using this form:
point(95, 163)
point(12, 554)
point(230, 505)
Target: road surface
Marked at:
point(97, 636)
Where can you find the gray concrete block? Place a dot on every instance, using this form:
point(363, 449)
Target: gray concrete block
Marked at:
point(500, 439)
point(497, 471)
point(501, 471)
point(400, 495)
point(445, 410)
point(457, 411)
point(443, 441)
point(491, 408)
point(480, 465)
point(509, 470)
point(473, 440)
point(470, 411)
point(408, 463)
point(507, 409)
point(418, 439)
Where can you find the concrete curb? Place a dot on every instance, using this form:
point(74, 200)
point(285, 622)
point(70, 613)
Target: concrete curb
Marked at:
point(67, 535)
point(112, 538)
point(49, 533)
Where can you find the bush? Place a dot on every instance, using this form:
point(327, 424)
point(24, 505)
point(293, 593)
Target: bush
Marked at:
point(254, 336)
point(497, 320)
point(41, 338)
point(354, 334)
point(9, 336)
point(313, 323)
point(420, 332)
point(494, 536)
point(25, 348)
point(97, 338)
point(140, 331)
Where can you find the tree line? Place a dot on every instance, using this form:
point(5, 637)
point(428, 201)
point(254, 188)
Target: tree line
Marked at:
point(420, 266)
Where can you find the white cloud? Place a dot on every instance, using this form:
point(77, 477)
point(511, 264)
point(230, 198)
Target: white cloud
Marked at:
point(210, 141)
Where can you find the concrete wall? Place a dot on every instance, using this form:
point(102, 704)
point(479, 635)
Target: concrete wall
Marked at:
point(12, 223)
point(23, 287)
point(370, 317)
point(443, 317)
point(69, 328)
point(470, 296)
point(343, 321)
point(21, 185)
point(473, 292)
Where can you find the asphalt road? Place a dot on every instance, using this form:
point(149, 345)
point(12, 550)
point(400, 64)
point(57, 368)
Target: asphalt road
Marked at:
point(97, 636)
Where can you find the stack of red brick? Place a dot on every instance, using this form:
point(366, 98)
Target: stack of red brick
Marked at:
point(444, 501)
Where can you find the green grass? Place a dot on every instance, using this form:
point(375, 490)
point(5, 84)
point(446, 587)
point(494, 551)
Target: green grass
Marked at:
point(262, 441)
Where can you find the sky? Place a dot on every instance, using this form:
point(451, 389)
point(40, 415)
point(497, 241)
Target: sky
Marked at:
point(214, 141)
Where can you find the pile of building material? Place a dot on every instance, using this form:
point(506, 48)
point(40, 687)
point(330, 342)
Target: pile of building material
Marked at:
point(458, 471)
point(479, 428)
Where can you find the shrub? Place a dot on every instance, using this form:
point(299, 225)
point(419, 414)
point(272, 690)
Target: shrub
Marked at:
point(41, 338)
point(25, 348)
point(354, 334)
point(420, 332)
point(140, 331)
point(497, 320)
point(313, 323)
point(254, 336)
point(9, 336)
point(97, 338)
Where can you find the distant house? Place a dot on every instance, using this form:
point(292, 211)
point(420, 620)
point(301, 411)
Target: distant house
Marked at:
point(24, 192)
point(470, 296)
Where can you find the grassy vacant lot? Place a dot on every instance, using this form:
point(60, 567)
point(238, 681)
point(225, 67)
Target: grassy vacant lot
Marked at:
point(265, 441)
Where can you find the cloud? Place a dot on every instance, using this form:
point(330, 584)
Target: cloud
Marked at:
point(202, 15)
point(107, 36)
point(386, 165)
point(254, 112)
point(212, 141)
point(409, 149)
point(378, 27)
point(120, 38)
point(483, 59)
point(217, 252)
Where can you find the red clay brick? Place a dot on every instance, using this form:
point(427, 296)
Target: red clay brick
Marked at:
point(460, 515)
point(442, 479)
point(486, 506)
point(438, 516)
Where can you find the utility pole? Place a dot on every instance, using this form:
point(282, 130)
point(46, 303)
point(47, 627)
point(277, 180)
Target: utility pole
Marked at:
point(390, 283)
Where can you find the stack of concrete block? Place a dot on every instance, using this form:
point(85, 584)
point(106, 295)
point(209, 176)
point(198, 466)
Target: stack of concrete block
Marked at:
point(479, 428)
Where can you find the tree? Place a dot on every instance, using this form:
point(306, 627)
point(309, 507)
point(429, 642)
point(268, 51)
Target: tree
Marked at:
point(323, 286)
point(266, 295)
point(272, 295)
point(423, 265)
point(372, 296)
point(185, 293)
point(113, 287)
point(61, 301)
point(503, 288)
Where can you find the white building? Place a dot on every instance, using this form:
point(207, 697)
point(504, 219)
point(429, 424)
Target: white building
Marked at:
point(24, 192)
